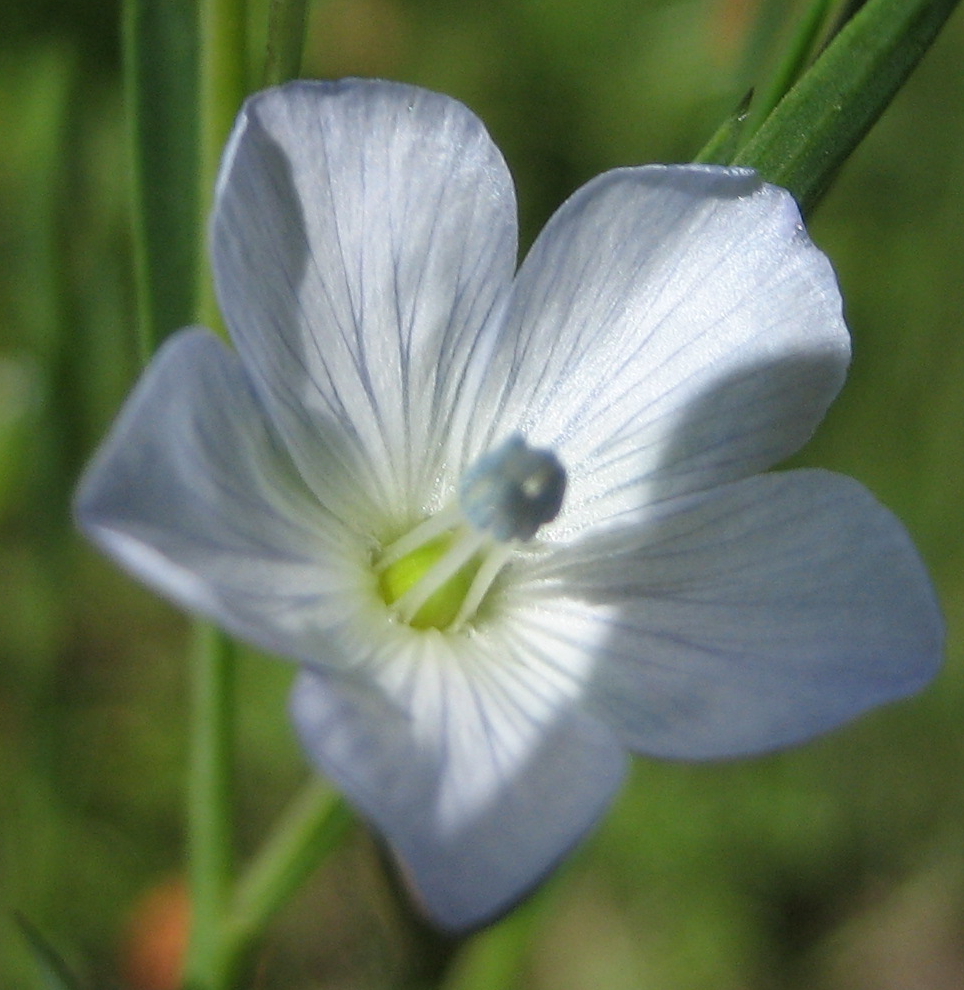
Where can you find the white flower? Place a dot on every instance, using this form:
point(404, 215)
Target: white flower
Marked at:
point(511, 525)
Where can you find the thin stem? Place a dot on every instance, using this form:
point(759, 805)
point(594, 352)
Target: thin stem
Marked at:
point(824, 117)
point(799, 53)
point(287, 20)
point(222, 28)
point(210, 804)
point(759, 100)
point(221, 31)
point(723, 144)
point(312, 825)
point(161, 90)
point(223, 929)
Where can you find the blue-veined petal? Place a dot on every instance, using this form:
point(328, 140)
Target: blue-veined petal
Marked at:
point(747, 618)
point(471, 755)
point(673, 328)
point(193, 494)
point(363, 232)
point(672, 332)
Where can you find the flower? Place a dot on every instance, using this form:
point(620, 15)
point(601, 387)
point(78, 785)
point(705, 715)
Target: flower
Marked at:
point(512, 526)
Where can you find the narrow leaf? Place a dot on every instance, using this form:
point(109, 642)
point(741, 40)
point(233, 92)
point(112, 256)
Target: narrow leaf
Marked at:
point(161, 69)
point(223, 84)
point(210, 804)
point(287, 20)
point(310, 829)
point(728, 136)
point(795, 60)
point(809, 135)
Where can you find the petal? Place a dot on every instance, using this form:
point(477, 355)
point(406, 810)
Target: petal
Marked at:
point(469, 755)
point(362, 234)
point(672, 328)
point(193, 494)
point(749, 618)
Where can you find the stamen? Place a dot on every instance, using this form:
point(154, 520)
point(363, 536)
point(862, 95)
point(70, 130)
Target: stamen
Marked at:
point(426, 531)
point(478, 589)
point(458, 555)
point(438, 574)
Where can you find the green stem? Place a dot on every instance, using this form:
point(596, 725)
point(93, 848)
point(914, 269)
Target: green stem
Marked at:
point(223, 42)
point(221, 67)
point(759, 101)
point(762, 39)
point(287, 20)
point(224, 929)
point(312, 825)
point(791, 66)
point(721, 147)
point(180, 110)
point(160, 75)
point(824, 117)
point(210, 803)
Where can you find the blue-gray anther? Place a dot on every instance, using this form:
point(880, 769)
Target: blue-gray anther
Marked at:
point(512, 491)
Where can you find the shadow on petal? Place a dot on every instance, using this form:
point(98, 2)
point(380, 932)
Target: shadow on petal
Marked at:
point(463, 874)
point(744, 425)
point(749, 613)
point(740, 617)
point(747, 422)
point(364, 233)
point(262, 259)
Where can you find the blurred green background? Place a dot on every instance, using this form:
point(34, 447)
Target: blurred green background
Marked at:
point(838, 866)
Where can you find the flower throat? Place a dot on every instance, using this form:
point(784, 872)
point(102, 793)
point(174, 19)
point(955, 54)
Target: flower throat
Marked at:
point(438, 574)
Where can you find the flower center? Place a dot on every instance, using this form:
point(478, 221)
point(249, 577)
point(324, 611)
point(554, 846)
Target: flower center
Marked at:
point(439, 573)
point(433, 600)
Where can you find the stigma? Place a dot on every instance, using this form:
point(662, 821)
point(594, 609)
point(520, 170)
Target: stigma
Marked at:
point(513, 491)
point(439, 574)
